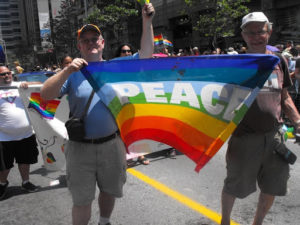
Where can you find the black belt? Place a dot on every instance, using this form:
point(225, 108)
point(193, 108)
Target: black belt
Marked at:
point(102, 139)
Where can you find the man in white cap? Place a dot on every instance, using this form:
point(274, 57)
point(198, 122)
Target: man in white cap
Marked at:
point(98, 159)
point(254, 154)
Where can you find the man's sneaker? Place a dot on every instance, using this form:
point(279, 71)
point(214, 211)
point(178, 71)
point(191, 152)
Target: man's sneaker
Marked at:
point(30, 187)
point(3, 189)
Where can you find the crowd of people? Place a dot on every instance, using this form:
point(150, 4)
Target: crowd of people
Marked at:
point(99, 159)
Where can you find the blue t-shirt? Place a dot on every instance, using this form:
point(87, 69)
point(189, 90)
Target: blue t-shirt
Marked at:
point(99, 122)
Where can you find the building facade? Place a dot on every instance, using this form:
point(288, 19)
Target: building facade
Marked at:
point(19, 26)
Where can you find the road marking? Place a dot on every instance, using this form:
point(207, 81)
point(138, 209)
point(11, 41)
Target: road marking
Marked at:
point(210, 214)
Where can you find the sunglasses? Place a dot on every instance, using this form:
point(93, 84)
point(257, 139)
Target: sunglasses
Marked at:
point(4, 74)
point(124, 51)
point(94, 40)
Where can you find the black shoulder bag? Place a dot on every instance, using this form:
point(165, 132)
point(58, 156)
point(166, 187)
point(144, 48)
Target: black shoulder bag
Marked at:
point(75, 125)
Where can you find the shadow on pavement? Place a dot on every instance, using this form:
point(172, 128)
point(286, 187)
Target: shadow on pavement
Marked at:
point(17, 190)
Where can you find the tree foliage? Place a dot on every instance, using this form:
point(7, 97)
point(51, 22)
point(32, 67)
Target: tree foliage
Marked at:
point(217, 18)
point(64, 30)
point(110, 15)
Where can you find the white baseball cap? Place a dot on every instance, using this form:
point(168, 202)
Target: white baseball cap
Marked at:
point(254, 17)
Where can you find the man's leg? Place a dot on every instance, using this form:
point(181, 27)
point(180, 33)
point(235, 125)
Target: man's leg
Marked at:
point(106, 205)
point(81, 214)
point(265, 202)
point(24, 171)
point(227, 205)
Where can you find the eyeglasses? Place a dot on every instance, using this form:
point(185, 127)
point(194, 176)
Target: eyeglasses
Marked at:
point(94, 40)
point(5, 73)
point(124, 51)
point(259, 33)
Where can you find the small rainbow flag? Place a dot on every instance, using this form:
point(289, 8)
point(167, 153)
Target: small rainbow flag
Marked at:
point(45, 108)
point(143, 2)
point(167, 42)
point(192, 104)
point(158, 39)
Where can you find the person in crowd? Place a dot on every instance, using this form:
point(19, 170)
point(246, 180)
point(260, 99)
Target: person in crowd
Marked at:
point(196, 50)
point(288, 46)
point(102, 139)
point(127, 50)
point(17, 140)
point(188, 51)
point(214, 52)
point(280, 47)
point(124, 49)
point(66, 61)
point(18, 67)
point(243, 50)
point(252, 156)
point(231, 51)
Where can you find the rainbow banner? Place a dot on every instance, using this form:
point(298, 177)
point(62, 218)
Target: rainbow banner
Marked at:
point(45, 108)
point(158, 39)
point(190, 103)
point(48, 122)
point(168, 43)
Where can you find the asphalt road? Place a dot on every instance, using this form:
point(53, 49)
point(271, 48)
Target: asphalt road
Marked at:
point(166, 192)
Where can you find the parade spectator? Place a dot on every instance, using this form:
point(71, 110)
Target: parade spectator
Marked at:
point(251, 156)
point(18, 67)
point(280, 47)
point(231, 51)
point(219, 51)
point(17, 140)
point(66, 61)
point(124, 50)
point(187, 51)
point(289, 45)
point(102, 135)
point(243, 50)
point(196, 50)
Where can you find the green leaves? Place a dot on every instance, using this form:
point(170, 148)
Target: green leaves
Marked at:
point(221, 19)
point(112, 15)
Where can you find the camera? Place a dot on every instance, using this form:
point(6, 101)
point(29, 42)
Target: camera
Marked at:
point(285, 153)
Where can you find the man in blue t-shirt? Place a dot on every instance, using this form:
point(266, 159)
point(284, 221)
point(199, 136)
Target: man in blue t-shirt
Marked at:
point(100, 157)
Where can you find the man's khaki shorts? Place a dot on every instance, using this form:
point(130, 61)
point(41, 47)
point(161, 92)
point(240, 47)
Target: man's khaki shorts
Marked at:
point(252, 158)
point(91, 164)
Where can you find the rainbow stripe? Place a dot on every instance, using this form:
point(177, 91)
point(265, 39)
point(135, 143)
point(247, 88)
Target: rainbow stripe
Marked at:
point(167, 42)
point(158, 39)
point(190, 103)
point(45, 108)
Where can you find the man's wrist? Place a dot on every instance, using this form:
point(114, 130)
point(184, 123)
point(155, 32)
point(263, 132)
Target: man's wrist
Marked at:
point(297, 123)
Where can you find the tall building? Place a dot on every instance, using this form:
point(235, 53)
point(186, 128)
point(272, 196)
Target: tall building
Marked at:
point(19, 26)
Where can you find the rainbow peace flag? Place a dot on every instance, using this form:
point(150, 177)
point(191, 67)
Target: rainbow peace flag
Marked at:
point(190, 103)
point(158, 39)
point(167, 42)
point(45, 108)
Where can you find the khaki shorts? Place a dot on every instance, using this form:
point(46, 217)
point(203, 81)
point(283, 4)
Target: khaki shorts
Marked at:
point(91, 164)
point(252, 158)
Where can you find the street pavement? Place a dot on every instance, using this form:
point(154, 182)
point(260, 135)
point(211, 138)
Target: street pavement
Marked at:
point(166, 192)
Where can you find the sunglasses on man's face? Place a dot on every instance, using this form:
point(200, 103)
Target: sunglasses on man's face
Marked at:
point(124, 51)
point(4, 74)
